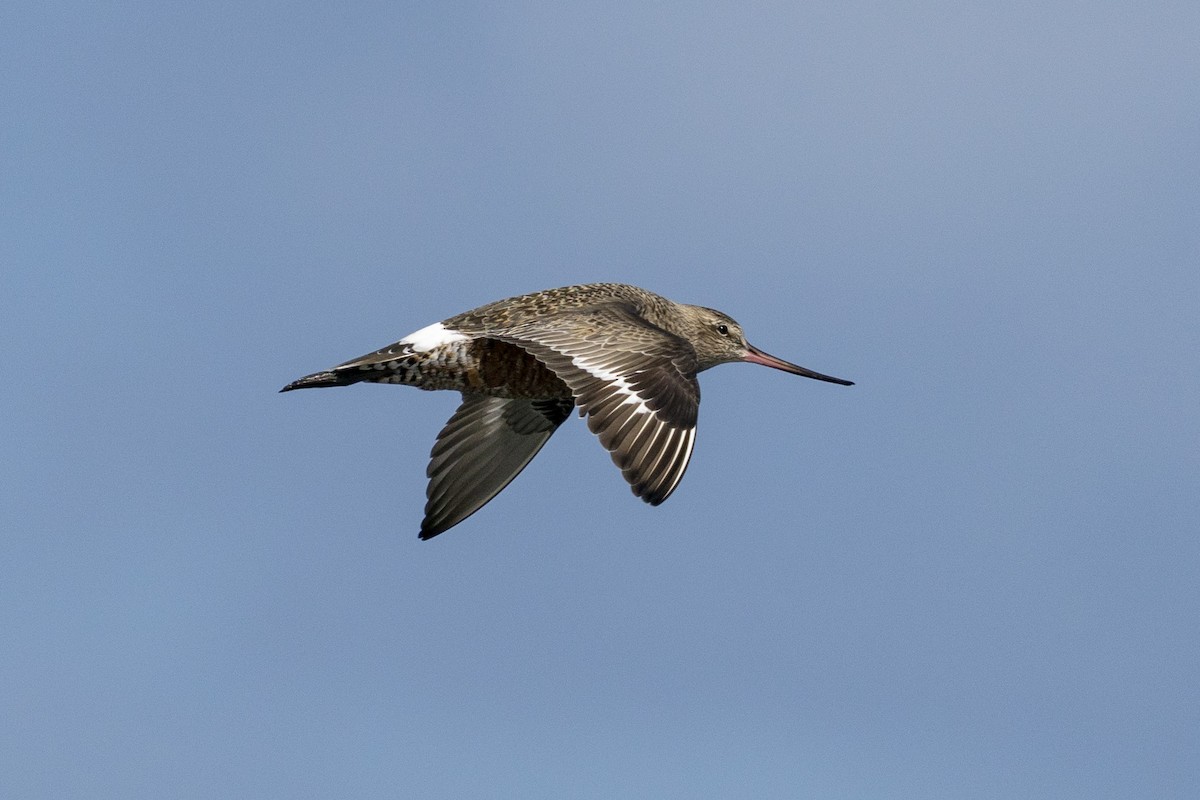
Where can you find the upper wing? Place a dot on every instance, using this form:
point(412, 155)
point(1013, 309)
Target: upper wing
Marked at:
point(635, 382)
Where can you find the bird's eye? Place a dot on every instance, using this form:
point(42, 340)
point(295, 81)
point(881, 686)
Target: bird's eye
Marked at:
point(723, 329)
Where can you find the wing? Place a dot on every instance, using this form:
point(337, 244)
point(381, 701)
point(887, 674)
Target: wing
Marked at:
point(486, 443)
point(635, 382)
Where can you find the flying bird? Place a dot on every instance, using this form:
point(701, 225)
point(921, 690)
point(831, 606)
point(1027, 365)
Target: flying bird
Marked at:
point(625, 357)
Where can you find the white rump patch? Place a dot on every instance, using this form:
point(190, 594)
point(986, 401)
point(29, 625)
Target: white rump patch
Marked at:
point(432, 336)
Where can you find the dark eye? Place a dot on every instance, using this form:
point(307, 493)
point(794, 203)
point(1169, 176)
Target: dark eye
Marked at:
point(723, 329)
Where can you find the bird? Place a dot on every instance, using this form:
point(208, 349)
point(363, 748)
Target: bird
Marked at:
point(625, 357)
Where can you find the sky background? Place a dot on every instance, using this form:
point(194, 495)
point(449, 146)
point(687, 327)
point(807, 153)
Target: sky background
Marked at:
point(973, 574)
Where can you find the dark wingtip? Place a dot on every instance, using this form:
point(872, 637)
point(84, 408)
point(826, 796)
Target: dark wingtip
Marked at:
point(432, 526)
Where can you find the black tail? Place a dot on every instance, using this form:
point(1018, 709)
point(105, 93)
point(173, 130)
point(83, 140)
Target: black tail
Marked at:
point(322, 379)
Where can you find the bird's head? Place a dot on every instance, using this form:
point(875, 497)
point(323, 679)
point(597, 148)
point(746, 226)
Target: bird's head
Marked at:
point(718, 339)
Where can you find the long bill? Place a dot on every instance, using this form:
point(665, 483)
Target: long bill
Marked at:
point(756, 356)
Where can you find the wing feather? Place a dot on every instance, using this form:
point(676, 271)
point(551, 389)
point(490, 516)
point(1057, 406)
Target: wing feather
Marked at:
point(485, 444)
point(635, 383)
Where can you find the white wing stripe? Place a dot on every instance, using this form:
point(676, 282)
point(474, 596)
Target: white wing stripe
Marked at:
point(618, 383)
point(664, 451)
point(691, 442)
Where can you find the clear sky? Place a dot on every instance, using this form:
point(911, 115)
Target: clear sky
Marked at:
point(973, 574)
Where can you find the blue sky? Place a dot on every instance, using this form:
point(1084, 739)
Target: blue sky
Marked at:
point(973, 574)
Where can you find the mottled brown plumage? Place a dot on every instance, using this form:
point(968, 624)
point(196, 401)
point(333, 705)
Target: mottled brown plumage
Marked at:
point(627, 358)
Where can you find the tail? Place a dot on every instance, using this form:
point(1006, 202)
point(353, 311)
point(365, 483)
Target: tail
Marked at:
point(327, 378)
